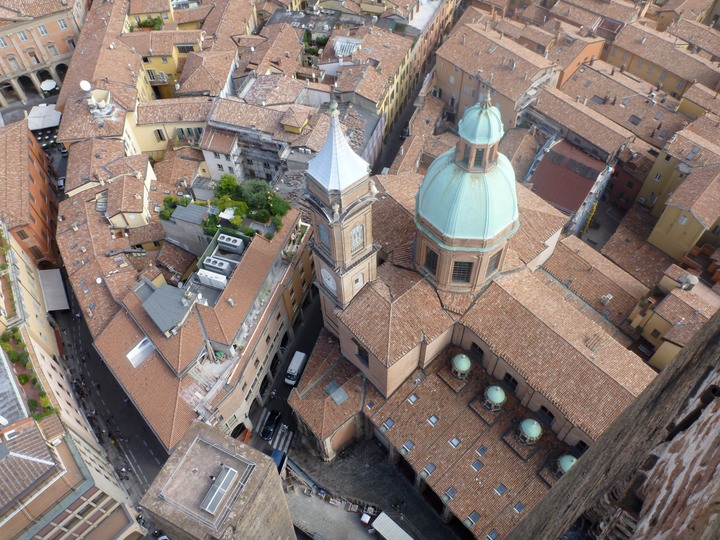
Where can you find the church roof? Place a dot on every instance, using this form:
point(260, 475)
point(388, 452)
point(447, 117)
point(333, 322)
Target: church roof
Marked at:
point(336, 166)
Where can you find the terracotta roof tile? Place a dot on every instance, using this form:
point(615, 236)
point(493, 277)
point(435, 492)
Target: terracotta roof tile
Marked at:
point(702, 36)
point(164, 400)
point(520, 146)
point(87, 157)
point(312, 401)
point(174, 261)
point(591, 276)
point(700, 194)
point(393, 227)
point(206, 72)
point(15, 156)
point(391, 314)
point(186, 109)
point(543, 221)
point(464, 43)
point(704, 97)
point(571, 353)
point(660, 49)
point(139, 7)
point(630, 250)
point(624, 100)
point(582, 119)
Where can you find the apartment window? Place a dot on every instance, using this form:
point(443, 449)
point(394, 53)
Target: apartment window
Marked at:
point(3, 43)
point(629, 185)
point(22, 35)
point(231, 169)
point(43, 30)
point(649, 68)
point(36, 253)
point(220, 167)
point(462, 271)
point(682, 220)
point(159, 135)
point(62, 24)
point(625, 56)
point(70, 43)
point(163, 59)
point(663, 76)
point(655, 333)
point(357, 239)
point(493, 264)
point(216, 155)
point(431, 260)
point(361, 353)
point(452, 80)
point(185, 49)
point(581, 446)
point(22, 235)
point(640, 63)
point(53, 49)
point(510, 382)
point(13, 63)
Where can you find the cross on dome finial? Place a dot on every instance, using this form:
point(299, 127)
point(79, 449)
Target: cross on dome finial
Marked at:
point(487, 103)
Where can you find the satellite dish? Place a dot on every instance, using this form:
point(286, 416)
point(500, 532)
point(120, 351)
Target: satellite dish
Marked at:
point(85, 86)
point(98, 280)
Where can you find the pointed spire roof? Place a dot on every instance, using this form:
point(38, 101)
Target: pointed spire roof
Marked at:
point(336, 166)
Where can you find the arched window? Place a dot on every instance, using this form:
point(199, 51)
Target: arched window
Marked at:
point(33, 56)
point(52, 49)
point(14, 65)
point(357, 239)
point(323, 235)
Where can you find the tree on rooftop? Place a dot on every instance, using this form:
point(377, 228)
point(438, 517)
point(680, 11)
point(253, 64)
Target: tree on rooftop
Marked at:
point(256, 193)
point(227, 185)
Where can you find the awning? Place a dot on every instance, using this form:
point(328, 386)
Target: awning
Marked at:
point(53, 290)
point(43, 117)
point(388, 529)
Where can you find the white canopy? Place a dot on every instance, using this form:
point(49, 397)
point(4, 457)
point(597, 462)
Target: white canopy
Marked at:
point(53, 290)
point(43, 116)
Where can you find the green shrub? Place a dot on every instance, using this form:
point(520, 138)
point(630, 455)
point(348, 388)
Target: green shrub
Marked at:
point(255, 193)
point(27, 363)
point(277, 221)
point(7, 347)
point(269, 235)
point(14, 356)
point(227, 185)
point(32, 404)
point(6, 336)
point(24, 357)
point(249, 231)
point(23, 378)
point(45, 402)
point(43, 394)
point(262, 215)
point(278, 206)
point(166, 213)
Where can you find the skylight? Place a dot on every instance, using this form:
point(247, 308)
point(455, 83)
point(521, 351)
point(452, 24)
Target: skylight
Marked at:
point(501, 489)
point(433, 420)
point(477, 465)
point(481, 451)
point(412, 399)
point(519, 507)
point(454, 442)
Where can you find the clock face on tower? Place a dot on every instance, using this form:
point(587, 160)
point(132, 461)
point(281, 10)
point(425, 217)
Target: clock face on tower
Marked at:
point(328, 279)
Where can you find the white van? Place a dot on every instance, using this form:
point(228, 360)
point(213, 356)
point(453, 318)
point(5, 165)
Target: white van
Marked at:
point(296, 368)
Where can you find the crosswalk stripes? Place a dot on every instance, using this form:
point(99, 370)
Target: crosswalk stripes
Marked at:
point(281, 439)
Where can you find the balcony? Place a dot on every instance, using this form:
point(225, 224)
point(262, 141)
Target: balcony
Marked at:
point(157, 78)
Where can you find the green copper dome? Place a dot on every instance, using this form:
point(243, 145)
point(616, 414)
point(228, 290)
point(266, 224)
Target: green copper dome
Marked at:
point(481, 124)
point(531, 428)
point(472, 205)
point(565, 462)
point(479, 204)
point(461, 363)
point(495, 395)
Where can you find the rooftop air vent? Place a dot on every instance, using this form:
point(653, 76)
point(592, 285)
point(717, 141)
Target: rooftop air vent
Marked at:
point(529, 431)
point(217, 265)
point(494, 398)
point(688, 282)
point(461, 365)
point(230, 243)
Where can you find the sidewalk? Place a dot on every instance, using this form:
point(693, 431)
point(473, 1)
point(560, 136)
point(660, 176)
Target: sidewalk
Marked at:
point(315, 516)
point(364, 472)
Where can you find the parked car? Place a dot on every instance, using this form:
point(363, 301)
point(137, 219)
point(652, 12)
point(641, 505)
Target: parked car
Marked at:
point(61, 183)
point(271, 425)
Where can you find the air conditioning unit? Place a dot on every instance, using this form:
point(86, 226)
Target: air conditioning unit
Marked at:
point(641, 200)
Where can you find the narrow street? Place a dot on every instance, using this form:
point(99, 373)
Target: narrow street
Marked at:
point(122, 431)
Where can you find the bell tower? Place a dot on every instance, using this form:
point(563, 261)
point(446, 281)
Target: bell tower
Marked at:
point(340, 194)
